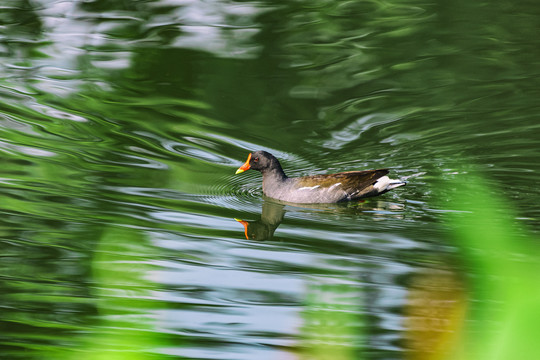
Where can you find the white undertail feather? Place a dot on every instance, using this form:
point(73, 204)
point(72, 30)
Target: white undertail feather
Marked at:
point(384, 184)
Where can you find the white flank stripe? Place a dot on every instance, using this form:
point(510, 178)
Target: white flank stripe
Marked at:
point(335, 185)
point(309, 187)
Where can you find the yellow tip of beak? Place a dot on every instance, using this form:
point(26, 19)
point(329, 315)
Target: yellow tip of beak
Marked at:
point(245, 166)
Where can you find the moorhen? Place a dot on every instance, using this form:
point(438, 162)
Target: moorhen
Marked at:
point(330, 188)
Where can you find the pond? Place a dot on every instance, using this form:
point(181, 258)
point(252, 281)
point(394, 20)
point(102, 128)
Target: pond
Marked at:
point(126, 234)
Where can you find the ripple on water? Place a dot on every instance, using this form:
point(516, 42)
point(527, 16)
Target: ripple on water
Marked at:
point(233, 192)
point(196, 153)
point(221, 187)
point(221, 190)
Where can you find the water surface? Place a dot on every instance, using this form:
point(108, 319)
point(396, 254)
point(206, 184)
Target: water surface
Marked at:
point(122, 126)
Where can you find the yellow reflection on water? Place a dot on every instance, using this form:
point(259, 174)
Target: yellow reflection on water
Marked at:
point(434, 314)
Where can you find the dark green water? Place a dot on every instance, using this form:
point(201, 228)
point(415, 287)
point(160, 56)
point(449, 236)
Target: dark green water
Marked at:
point(123, 122)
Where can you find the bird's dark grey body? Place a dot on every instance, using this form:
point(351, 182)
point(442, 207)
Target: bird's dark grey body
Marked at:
point(329, 188)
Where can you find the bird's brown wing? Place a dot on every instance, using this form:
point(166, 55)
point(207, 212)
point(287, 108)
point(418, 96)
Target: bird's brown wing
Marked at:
point(351, 181)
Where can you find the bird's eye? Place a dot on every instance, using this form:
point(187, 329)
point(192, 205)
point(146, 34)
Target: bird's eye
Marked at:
point(256, 160)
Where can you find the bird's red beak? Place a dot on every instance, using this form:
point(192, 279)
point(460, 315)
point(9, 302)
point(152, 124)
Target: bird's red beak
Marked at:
point(244, 167)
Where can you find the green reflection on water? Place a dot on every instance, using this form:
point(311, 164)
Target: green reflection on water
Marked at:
point(125, 326)
point(333, 323)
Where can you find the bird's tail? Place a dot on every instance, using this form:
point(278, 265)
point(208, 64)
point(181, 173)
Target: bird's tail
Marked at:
point(392, 184)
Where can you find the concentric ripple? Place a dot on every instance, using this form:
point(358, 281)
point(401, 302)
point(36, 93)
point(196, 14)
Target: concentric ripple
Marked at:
point(234, 192)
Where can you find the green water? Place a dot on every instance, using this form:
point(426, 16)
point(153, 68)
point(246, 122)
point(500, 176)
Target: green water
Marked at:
point(123, 122)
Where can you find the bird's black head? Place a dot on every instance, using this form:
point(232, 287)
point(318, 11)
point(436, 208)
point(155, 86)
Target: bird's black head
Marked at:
point(261, 161)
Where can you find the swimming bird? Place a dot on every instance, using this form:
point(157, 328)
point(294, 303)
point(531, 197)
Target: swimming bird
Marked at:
point(329, 188)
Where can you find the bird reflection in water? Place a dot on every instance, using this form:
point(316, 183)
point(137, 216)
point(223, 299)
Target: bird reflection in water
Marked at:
point(264, 228)
point(273, 212)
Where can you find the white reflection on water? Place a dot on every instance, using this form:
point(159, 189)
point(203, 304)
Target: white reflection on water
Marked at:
point(27, 150)
point(353, 131)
